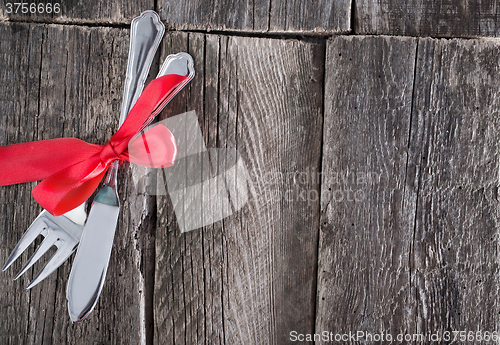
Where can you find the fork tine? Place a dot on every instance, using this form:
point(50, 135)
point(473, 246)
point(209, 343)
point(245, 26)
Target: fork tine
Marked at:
point(59, 257)
point(38, 227)
point(48, 242)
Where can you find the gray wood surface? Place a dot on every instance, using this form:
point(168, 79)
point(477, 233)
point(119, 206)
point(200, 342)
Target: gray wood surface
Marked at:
point(368, 201)
point(454, 150)
point(372, 172)
point(416, 252)
point(66, 81)
point(20, 50)
point(436, 18)
point(251, 278)
point(79, 11)
point(326, 16)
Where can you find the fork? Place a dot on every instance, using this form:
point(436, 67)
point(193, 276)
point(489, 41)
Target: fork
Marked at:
point(65, 231)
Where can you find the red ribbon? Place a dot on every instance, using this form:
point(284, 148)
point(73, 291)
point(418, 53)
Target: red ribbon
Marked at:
point(71, 169)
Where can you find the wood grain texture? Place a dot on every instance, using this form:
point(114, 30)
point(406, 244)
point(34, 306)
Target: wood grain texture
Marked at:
point(367, 193)
point(20, 50)
point(455, 149)
point(250, 278)
point(78, 11)
point(442, 18)
point(378, 213)
point(326, 16)
point(67, 81)
point(179, 294)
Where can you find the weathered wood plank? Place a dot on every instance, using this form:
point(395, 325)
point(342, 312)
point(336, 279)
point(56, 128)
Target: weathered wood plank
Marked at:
point(68, 81)
point(455, 142)
point(367, 193)
point(179, 294)
point(442, 18)
point(327, 16)
point(324, 17)
point(20, 50)
point(251, 278)
point(73, 11)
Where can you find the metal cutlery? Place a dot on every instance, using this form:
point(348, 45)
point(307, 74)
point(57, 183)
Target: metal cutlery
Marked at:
point(65, 231)
point(91, 262)
point(93, 232)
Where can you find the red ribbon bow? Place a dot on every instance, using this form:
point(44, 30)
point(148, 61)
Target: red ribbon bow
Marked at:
point(71, 169)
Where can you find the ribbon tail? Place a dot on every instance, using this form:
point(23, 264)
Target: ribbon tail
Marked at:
point(69, 188)
point(37, 160)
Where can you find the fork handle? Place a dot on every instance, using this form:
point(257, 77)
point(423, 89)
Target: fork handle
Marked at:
point(145, 36)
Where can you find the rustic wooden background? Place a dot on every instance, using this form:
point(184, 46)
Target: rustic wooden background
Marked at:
point(382, 115)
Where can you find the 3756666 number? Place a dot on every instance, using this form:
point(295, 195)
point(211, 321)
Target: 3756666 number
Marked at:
point(32, 8)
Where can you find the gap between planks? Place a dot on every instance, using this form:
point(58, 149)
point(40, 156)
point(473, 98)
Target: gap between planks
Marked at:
point(306, 36)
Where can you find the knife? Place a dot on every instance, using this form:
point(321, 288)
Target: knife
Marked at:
point(97, 237)
point(92, 259)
